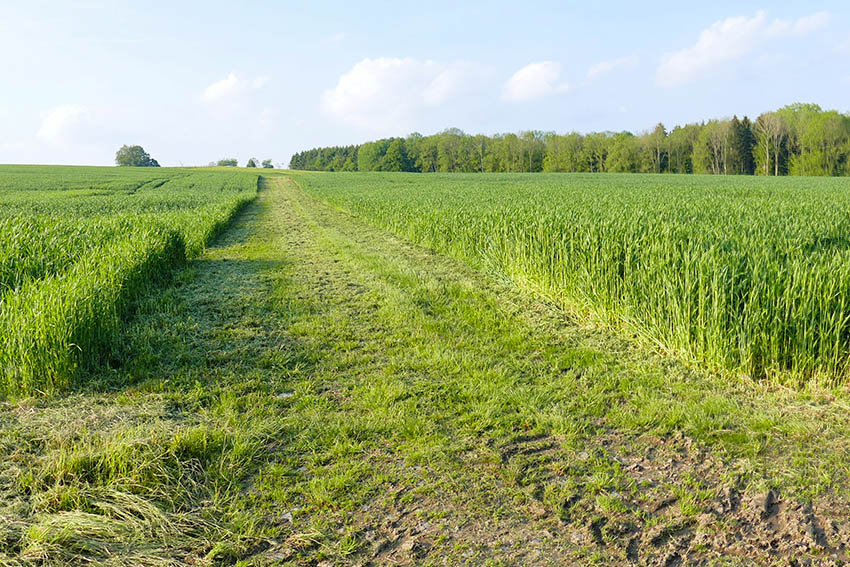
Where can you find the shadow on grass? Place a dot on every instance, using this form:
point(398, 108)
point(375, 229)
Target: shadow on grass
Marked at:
point(217, 320)
point(153, 455)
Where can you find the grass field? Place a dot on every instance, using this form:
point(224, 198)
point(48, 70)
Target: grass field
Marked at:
point(313, 389)
point(79, 245)
point(747, 274)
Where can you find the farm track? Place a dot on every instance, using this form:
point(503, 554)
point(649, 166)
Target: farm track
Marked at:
point(516, 495)
point(363, 401)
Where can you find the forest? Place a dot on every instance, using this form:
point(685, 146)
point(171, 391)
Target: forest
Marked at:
point(798, 139)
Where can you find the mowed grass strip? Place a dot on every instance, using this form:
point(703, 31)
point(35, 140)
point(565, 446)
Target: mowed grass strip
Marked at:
point(310, 381)
point(750, 275)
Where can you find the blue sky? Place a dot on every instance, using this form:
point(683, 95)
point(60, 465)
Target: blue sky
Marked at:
point(197, 81)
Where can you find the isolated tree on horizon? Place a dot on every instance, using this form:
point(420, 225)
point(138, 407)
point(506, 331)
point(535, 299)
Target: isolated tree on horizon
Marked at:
point(134, 156)
point(227, 162)
point(267, 164)
point(251, 162)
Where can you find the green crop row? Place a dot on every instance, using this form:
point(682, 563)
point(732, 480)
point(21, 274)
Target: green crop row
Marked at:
point(79, 245)
point(741, 274)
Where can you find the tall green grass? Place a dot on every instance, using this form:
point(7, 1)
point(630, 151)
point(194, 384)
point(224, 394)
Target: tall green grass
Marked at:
point(744, 274)
point(74, 260)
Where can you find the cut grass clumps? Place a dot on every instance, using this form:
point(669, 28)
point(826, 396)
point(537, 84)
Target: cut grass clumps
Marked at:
point(73, 261)
point(129, 493)
point(750, 275)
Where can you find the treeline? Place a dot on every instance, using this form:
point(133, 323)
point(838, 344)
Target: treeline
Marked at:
point(233, 162)
point(799, 139)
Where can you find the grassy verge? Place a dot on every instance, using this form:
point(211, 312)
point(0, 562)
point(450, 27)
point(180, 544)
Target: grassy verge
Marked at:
point(314, 391)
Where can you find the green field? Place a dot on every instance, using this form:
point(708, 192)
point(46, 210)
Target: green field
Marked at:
point(215, 367)
point(746, 274)
point(77, 247)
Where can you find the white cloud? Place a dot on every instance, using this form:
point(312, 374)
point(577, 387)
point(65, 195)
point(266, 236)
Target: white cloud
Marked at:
point(82, 133)
point(728, 40)
point(223, 88)
point(389, 93)
point(335, 38)
point(13, 146)
point(534, 81)
point(603, 68)
point(62, 123)
point(232, 86)
point(267, 118)
point(452, 80)
point(800, 27)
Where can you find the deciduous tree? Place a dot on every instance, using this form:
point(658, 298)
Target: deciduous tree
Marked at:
point(396, 157)
point(771, 132)
point(134, 156)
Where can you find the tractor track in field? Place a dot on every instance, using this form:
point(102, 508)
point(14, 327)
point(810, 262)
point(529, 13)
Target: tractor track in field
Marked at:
point(672, 502)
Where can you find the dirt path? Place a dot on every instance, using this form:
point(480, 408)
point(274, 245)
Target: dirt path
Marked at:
point(486, 432)
point(314, 391)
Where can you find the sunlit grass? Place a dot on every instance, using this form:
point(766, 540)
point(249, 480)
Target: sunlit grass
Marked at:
point(742, 274)
point(79, 245)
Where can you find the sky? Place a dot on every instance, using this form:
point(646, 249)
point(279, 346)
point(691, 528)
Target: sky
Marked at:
point(193, 82)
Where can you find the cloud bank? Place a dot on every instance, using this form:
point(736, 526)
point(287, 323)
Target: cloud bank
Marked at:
point(535, 81)
point(62, 124)
point(390, 93)
point(728, 40)
point(231, 87)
